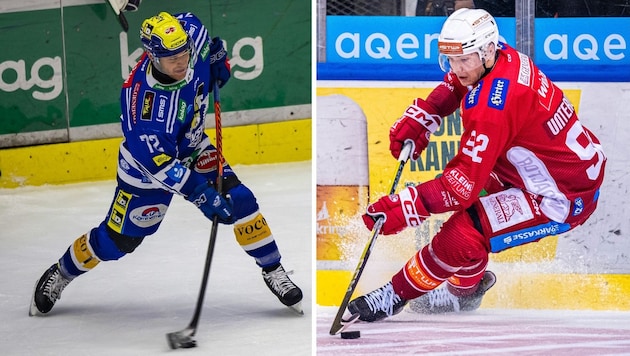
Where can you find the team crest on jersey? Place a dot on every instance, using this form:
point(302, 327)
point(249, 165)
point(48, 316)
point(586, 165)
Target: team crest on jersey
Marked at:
point(498, 93)
point(147, 106)
point(473, 96)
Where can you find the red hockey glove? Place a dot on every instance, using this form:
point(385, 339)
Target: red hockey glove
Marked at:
point(400, 211)
point(415, 126)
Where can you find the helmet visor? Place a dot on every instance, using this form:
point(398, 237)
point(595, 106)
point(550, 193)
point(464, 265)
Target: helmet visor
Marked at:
point(460, 63)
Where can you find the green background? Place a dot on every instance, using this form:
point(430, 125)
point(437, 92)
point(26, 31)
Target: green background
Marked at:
point(92, 73)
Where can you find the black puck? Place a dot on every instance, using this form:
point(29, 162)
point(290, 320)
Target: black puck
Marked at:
point(351, 334)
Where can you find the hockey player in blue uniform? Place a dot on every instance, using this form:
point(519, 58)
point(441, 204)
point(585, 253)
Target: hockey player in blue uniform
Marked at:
point(165, 151)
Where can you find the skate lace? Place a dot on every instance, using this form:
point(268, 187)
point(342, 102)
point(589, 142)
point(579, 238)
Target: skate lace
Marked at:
point(383, 299)
point(55, 285)
point(279, 281)
point(442, 297)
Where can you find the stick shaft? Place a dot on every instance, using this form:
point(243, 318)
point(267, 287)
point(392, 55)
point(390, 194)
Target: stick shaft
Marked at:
point(376, 230)
point(215, 221)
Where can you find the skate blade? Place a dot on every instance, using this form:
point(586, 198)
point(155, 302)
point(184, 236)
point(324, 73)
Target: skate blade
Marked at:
point(297, 308)
point(33, 311)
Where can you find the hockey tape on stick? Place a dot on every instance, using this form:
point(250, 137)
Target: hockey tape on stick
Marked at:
point(339, 324)
point(184, 338)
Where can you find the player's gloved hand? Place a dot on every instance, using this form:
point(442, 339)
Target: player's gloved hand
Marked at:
point(212, 204)
point(219, 63)
point(400, 211)
point(131, 5)
point(416, 126)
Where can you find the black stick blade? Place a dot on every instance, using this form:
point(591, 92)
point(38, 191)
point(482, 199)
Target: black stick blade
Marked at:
point(181, 339)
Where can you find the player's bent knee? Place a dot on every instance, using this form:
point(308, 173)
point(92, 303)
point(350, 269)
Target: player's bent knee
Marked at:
point(109, 245)
point(126, 244)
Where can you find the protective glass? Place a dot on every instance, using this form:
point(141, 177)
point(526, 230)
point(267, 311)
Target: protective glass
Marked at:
point(461, 63)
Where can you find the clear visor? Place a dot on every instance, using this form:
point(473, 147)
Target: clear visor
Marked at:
point(460, 63)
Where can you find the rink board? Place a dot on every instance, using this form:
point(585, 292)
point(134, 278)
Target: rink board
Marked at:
point(277, 142)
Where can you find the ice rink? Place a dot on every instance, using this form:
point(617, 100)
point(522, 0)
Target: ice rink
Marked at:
point(126, 307)
point(483, 332)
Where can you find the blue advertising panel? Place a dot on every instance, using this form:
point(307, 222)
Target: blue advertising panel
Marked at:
point(391, 39)
point(405, 48)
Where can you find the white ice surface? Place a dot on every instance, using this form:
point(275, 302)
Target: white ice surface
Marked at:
point(128, 306)
point(482, 332)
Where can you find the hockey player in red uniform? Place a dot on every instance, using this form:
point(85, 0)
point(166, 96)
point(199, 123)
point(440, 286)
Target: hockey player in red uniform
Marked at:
point(522, 143)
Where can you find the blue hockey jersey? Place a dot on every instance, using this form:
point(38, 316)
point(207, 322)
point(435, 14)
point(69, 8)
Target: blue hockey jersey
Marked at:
point(163, 125)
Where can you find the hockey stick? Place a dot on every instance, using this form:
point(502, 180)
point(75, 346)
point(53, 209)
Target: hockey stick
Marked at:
point(184, 338)
point(116, 6)
point(340, 324)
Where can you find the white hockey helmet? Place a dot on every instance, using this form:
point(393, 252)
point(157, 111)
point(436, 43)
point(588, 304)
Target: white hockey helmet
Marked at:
point(467, 31)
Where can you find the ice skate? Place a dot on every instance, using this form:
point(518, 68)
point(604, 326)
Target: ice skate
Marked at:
point(378, 304)
point(47, 291)
point(282, 287)
point(439, 301)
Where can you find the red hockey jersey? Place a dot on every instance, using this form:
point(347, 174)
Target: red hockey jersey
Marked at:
point(520, 126)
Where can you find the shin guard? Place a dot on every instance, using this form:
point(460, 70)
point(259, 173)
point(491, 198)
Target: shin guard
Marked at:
point(255, 237)
point(79, 258)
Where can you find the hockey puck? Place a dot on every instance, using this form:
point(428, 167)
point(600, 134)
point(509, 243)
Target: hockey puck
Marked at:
point(351, 334)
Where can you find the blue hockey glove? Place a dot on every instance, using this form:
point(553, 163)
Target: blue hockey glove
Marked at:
point(211, 203)
point(219, 63)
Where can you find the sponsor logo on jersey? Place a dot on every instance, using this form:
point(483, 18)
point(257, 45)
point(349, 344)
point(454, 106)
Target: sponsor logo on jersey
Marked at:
point(206, 162)
point(161, 159)
point(181, 110)
point(147, 106)
point(460, 183)
point(204, 51)
point(578, 206)
point(520, 237)
point(163, 100)
point(560, 118)
point(507, 209)
point(176, 173)
point(146, 216)
point(525, 70)
point(498, 93)
point(473, 96)
point(134, 102)
point(119, 210)
point(545, 90)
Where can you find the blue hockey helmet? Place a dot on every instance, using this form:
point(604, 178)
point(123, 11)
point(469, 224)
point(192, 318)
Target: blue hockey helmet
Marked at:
point(163, 36)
